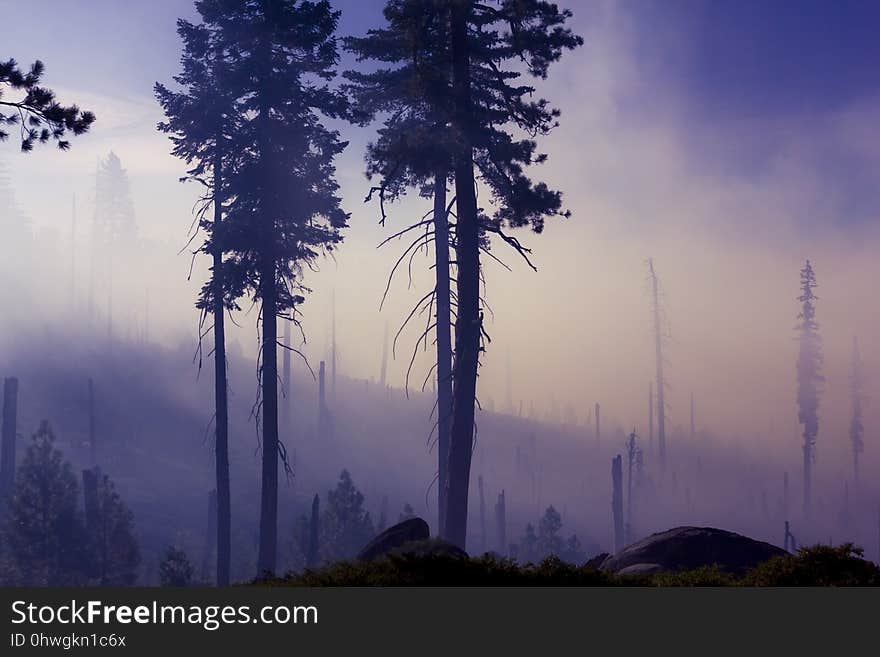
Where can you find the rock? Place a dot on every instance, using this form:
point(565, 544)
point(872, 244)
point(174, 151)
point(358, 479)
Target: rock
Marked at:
point(597, 561)
point(432, 547)
point(686, 548)
point(414, 529)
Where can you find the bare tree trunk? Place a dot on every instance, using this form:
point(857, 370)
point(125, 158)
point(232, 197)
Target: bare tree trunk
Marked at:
point(384, 367)
point(468, 318)
point(314, 527)
point(651, 417)
point(808, 462)
point(286, 376)
point(785, 495)
point(322, 401)
point(221, 407)
point(93, 447)
point(444, 342)
point(269, 381)
point(693, 427)
point(617, 501)
point(501, 523)
point(598, 427)
point(10, 429)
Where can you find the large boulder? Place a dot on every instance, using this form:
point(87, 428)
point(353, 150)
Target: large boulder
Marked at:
point(686, 548)
point(408, 531)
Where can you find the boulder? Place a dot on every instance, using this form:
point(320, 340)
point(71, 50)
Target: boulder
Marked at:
point(408, 531)
point(686, 548)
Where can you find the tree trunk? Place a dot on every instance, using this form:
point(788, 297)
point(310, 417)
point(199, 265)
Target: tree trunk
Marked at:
point(598, 427)
point(501, 523)
point(312, 554)
point(210, 536)
point(650, 417)
point(468, 320)
point(93, 447)
point(444, 342)
point(808, 463)
point(286, 377)
point(617, 501)
point(221, 408)
point(10, 428)
point(661, 384)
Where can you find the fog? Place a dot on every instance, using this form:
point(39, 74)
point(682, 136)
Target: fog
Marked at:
point(728, 208)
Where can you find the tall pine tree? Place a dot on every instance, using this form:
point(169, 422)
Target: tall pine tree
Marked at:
point(412, 151)
point(202, 121)
point(286, 210)
point(809, 377)
point(493, 45)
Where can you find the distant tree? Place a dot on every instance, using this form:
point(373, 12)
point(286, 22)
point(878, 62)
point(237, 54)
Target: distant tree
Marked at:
point(113, 547)
point(659, 361)
point(407, 513)
point(202, 121)
point(286, 209)
point(809, 376)
point(573, 552)
point(346, 525)
point(549, 540)
point(113, 227)
point(175, 568)
point(37, 114)
point(528, 545)
point(44, 531)
point(856, 426)
point(491, 45)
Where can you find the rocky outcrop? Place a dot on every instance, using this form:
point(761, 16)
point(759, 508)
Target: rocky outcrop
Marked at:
point(686, 548)
point(408, 531)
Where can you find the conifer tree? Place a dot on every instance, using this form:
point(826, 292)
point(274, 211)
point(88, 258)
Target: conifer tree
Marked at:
point(492, 44)
point(856, 427)
point(412, 152)
point(202, 121)
point(113, 548)
point(44, 531)
point(36, 113)
point(346, 526)
point(281, 56)
point(809, 376)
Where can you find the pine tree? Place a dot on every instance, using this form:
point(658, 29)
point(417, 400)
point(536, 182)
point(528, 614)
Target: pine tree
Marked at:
point(346, 525)
point(549, 540)
point(175, 569)
point(113, 547)
point(44, 532)
point(286, 212)
point(202, 121)
point(412, 152)
point(491, 45)
point(856, 427)
point(809, 376)
point(37, 114)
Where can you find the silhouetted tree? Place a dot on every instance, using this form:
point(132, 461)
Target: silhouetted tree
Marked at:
point(202, 121)
point(549, 540)
point(286, 209)
point(346, 525)
point(113, 547)
point(175, 568)
point(809, 376)
point(37, 114)
point(856, 427)
point(657, 313)
point(412, 152)
point(491, 45)
point(44, 531)
point(407, 513)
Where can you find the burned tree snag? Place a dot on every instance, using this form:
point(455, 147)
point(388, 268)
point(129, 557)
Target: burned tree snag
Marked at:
point(10, 428)
point(617, 501)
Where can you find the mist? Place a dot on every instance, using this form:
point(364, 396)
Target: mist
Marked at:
point(727, 205)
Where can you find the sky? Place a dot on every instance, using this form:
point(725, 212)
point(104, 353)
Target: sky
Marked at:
point(727, 140)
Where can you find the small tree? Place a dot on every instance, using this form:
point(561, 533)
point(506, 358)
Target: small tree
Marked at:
point(37, 114)
point(549, 540)
point(175, 568)
point(346, 525)
point(44, 531)
point(112, 544)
